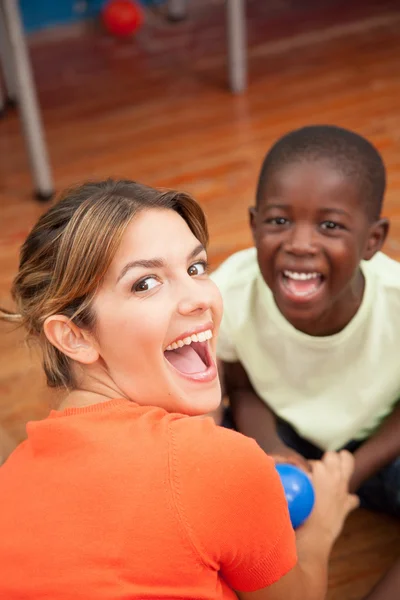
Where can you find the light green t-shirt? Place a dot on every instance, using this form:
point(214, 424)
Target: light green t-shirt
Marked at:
point(330, 389)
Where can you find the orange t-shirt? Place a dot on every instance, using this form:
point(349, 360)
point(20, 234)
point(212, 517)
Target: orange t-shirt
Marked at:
point(118, 501)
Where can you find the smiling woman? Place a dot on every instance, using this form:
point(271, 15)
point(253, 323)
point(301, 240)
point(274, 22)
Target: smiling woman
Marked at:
point(119, 493)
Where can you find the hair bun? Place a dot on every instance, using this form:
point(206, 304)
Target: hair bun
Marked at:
point(10, 317)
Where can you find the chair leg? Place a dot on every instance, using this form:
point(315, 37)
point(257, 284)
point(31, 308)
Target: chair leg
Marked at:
point(28, 102)
point(237, 54)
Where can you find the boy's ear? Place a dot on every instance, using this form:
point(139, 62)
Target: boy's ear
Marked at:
point(377, 235)
point(252, 221)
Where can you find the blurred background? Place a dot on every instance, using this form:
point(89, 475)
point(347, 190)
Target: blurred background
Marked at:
point(188, 95)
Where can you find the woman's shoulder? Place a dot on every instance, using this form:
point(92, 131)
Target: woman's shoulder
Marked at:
point(230, 498)
point(193, 430)
point(197, 441)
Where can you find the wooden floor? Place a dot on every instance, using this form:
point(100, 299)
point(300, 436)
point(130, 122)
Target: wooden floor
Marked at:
point(157, 110)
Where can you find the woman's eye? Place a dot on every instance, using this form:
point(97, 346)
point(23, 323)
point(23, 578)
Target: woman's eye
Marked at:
point(331, 225)
point(277, 221)
point(198, 268)
point(146, 284)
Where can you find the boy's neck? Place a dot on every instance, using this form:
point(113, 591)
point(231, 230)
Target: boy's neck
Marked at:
point(340, 313)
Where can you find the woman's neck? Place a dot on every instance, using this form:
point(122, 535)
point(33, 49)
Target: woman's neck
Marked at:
point(86, 395)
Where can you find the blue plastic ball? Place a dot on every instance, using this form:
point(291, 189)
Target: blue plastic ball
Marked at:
point(299, 492)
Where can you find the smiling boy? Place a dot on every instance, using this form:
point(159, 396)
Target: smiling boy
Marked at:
point(311, 328)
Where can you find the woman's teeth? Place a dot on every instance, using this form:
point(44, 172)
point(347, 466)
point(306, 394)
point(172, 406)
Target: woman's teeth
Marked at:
point(203, 336)
point(301, 276)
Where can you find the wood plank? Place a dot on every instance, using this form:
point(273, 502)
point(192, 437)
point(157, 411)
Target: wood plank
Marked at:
point(157, 110)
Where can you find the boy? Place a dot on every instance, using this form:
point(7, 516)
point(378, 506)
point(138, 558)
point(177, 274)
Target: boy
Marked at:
point(311, 330)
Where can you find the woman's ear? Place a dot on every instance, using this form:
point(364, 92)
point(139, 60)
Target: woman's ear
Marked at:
point(70, 339)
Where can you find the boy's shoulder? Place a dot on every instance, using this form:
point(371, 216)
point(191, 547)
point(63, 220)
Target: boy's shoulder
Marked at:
point(237, 272)
point(384, 270)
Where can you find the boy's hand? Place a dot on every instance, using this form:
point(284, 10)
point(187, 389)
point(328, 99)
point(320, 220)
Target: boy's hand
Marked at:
point(281, 453)
point(333, 502)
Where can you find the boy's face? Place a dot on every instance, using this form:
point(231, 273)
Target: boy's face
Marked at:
point(311, 231)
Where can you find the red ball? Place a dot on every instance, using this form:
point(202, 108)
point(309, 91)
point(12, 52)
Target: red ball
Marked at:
point(122, 17)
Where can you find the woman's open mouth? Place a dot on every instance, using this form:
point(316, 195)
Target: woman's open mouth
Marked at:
point(191, 357)
point(301, 286)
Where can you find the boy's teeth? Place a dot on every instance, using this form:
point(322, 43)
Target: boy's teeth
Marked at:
point(196, 337)
point(300, 276)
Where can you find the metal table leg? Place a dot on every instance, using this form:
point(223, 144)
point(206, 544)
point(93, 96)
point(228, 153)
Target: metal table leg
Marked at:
point(177, 10)
point(2, 102)
point(237, 55)
point(6, 62)
point(27, 102)
point(236, 34)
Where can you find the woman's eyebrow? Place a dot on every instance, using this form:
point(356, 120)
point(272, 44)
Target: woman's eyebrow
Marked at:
point(154, 263)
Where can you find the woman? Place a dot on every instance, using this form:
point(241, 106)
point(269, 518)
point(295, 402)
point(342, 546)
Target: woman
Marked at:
point(118, 494)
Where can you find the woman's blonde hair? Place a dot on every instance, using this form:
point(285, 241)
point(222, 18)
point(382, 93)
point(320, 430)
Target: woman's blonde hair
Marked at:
point(68, 252)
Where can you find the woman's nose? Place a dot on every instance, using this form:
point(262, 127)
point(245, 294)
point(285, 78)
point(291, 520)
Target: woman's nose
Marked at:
point(195, 298)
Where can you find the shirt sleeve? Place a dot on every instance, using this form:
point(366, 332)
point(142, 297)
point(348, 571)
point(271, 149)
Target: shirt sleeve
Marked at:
point(233, 504)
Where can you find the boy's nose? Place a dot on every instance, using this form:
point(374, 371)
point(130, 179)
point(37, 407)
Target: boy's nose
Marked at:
point(301, 241)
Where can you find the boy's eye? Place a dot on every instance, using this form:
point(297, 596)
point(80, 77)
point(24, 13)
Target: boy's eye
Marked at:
point(198, 268)
point(277, 221)
point(146, 284)
point(331, 225)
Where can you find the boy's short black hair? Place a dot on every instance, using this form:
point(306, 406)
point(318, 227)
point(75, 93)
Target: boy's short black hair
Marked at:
point(350, 153)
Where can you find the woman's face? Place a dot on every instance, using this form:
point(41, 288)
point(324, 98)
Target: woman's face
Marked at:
point(155, 314)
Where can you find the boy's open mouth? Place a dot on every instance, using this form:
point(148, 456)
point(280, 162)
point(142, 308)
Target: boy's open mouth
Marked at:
point(301, 285)
point(191, 354)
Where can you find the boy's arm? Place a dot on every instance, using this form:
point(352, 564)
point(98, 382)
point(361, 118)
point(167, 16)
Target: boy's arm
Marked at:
point(253, 417)
point(388, 587)
point(377, 452)
point(314, 539)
